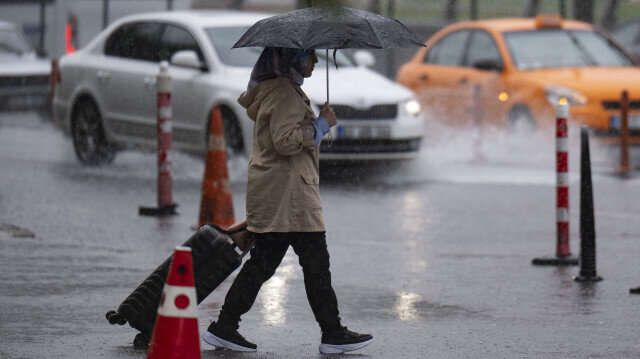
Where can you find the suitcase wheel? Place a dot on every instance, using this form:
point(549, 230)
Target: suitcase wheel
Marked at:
point(114, 318)
point(141, 342)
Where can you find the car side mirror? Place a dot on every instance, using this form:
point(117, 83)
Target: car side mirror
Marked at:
point(364, 58)
point(187, 58)
point(488, 65)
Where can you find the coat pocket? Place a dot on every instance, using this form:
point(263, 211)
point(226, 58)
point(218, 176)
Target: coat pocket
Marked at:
point(311, 191)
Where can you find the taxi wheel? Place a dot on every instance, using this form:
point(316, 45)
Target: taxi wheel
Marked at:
point(520, 119)
point(89, 140)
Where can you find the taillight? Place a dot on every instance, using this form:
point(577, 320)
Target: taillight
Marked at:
point(68, 38)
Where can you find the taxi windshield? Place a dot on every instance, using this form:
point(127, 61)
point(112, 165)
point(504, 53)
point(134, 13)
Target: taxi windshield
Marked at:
point(223, 39)
point(552, 48)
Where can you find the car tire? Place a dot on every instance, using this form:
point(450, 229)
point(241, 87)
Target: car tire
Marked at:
point(232, 132)
point(89, 140)
point(520, 119)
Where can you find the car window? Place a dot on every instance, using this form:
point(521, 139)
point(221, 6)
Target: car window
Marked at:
point(12, 42)
point(223, 38)
point(482, 48)
point(138, 41)
point(174, 39)
point(449, 50)
point(627, 33)
point(540, 49)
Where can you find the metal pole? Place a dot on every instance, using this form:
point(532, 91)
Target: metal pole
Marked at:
point(105, 13)
point(587, 221)
point(477, 115)
point(474, 9)
point(450, 13)
point(610, 16)
point(43, 7)
point(583, 10)
point(169, 5)
point(327, 61)
point(563, 8)
point(624, 169)
point(391, 55)
point(533, 7)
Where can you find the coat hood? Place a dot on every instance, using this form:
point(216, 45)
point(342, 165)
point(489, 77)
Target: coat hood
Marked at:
point(252, 100)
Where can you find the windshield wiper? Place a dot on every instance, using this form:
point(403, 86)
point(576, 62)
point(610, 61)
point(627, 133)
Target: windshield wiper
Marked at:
point(585, 54)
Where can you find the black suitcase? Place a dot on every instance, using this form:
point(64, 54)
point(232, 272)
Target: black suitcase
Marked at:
point(215, 256)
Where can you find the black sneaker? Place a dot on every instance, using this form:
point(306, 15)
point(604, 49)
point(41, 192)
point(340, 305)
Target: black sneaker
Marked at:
point(343, 340)
point(228, 338)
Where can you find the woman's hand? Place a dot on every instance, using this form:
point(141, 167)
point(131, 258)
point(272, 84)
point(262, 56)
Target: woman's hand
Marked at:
point(328, 115)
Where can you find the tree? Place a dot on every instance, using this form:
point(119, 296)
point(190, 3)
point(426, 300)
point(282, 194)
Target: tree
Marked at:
point(583, 10)
point(450, 13)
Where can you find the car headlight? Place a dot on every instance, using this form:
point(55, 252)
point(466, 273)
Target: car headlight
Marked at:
point(556, 94)
point(412, 107)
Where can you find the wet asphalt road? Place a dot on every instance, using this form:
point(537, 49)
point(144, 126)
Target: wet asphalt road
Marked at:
point(432, 256)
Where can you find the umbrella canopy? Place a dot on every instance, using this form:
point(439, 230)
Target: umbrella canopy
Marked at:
point(329, 28)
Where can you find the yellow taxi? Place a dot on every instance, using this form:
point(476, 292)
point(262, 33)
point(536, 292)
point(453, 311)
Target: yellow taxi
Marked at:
point(512, 72)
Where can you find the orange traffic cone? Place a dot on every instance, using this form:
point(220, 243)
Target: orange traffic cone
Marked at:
point(175, 334)
point(216, 206)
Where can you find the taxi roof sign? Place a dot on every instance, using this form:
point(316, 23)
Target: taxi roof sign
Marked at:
point(548, 21)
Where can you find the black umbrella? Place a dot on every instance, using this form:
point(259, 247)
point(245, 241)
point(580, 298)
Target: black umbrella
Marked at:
point(329, 28)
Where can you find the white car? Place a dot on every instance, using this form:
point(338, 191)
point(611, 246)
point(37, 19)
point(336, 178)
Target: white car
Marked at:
point(106, 97)
point(25, 79)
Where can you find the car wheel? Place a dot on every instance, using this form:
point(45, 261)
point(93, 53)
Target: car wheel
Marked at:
point(521, 120)
point(232, 131)
point(89, 140)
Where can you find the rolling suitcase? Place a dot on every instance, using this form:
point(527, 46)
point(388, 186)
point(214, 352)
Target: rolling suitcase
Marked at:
point(216, 253)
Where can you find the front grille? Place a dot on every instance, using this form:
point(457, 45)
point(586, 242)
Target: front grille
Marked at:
point(24, 81)
point(370, 146)
point(375, 112)
point(615, 105)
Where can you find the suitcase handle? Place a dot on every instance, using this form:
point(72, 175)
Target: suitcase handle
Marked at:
point(244, 241)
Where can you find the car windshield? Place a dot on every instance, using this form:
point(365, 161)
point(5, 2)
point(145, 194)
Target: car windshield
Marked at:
point(223, 38)
point(12, 43)
point(542, 49)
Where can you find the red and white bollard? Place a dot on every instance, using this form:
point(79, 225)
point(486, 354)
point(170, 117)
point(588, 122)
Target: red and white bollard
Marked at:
point(562, 180)
point(563, 254)
point(166, 206)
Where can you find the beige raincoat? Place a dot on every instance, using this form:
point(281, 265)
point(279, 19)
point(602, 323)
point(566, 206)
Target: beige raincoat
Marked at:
point(282, 186)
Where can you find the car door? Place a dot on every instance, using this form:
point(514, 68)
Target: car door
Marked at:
point(443, 80)
point(126, 79)
point(487, 101)
point(190, 90)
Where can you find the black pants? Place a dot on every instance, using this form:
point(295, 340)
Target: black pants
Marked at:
point(266, 256)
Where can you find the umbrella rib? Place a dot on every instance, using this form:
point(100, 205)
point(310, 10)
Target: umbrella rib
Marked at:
point(375, 33)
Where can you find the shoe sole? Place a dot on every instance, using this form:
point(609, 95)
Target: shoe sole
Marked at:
point(221, 343)
point(342, 348)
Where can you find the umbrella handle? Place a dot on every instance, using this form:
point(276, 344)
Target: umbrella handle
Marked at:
point(327, 61)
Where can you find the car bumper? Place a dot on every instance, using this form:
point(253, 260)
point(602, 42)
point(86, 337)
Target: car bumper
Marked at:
point(605, 123)
point(399, 138)
point(25, 99)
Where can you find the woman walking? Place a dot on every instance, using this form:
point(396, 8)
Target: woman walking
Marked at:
point(283, 200)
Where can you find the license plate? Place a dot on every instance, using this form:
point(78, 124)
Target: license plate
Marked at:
point(634, 121)
point(363, 132)
point(26, 101)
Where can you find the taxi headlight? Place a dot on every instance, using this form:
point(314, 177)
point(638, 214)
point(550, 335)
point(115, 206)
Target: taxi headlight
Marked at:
point(412, 107)
point(557, 94)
